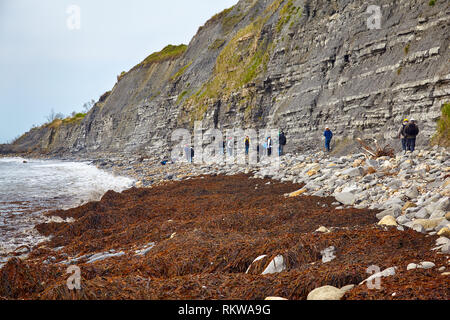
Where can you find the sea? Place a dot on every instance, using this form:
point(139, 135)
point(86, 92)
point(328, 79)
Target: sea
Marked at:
point(29, 188)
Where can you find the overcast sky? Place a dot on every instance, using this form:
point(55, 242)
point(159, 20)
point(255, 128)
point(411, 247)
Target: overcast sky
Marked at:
point(47, 63)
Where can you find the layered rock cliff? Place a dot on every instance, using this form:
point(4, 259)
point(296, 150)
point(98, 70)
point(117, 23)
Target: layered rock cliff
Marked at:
point(299, 65)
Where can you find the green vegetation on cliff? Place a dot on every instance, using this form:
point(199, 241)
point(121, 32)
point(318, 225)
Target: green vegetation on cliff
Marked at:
point(442, 136)
point(76, 118)
point(170, 52)
point(180, 72)
point(244, 57)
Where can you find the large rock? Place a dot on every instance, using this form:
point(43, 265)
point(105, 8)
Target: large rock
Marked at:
point(326, 293)
point(297, 193)
point(428, 223)
point(393, 201)
point(437, 214)
point(346, 198)
point(412, 192)
point(402, 220)
point(408, 205)
point(395, 211)
point(353, 172)
point(422, 214)
point(388, 221)
point(445, 232)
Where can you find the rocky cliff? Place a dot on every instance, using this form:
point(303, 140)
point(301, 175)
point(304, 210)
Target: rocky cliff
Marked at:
point(298, 65)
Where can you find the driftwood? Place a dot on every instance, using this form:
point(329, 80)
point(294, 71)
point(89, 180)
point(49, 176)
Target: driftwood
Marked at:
point(378, 151)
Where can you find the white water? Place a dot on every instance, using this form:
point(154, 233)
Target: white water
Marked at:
point(27, 190)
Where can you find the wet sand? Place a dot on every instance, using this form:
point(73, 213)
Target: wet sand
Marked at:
point(197, 238)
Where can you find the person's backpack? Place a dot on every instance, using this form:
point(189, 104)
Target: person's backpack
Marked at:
point(402, 131)
point(412, 130)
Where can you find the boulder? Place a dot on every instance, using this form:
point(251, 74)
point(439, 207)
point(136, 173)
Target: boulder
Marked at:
point(412, 266)
point(436, 203)
point(421, 214)
point(407, 205)
point(326, 293)
point(427, 265)
point(418, 228)
point(372, 163)
point(323, 230)
point(395, 211)
point(297, 193)
point(353, 172)
point(346, 198)
point(402, 220)
point(393, 201)
point(444, 232)
point(412, 192)
point(443, 224)
point(388, 221)
point(437, 214)
point(428, 223)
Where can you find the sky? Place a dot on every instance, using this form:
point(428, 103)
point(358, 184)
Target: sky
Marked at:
point(58, 54)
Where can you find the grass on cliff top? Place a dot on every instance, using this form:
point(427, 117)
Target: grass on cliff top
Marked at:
point(442, 136)
point(170, 52)
point(69, 120)
point(76, 118)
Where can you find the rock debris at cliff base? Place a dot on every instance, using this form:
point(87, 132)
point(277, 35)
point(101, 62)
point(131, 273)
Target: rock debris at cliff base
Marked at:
point(199, 239)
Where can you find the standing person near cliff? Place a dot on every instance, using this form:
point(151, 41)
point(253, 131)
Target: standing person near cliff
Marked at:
point(230, 145)
point(411, 132)
point(402, 135)
point(282, 142)
point(269, 146)
point(247, 144)
point(188, 153)
point(328, 136)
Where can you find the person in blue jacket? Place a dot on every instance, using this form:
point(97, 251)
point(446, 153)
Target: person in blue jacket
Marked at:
point(328, 136)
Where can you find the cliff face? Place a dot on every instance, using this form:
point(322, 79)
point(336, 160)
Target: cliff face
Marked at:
point(290, 64)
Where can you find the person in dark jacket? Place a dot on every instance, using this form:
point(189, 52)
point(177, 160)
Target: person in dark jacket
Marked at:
point(282, 142)
point(402, 134)
point(411, 132)
point(328, 136)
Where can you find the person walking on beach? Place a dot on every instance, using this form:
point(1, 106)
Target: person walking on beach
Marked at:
point(269, 146)
point(230, 146)
point(328, 136)
point(188, 153)
point(282, 142)
point(411, 131)
point(402, 135)
point(247, 144)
